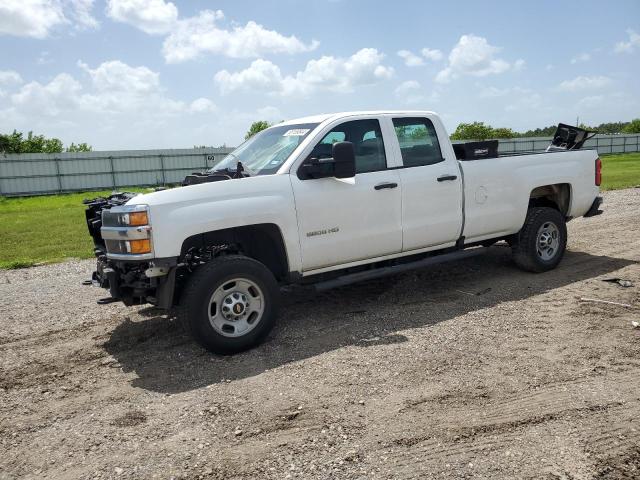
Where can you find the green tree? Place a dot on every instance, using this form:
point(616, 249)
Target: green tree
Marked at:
point(52, 145)
point(255, 128)
point(472, 131)
point(81, 147)
point(11, 143)
point(541, 132)
point(503, 132)
point(632, 127)
point(611, 127)
point(16, 143)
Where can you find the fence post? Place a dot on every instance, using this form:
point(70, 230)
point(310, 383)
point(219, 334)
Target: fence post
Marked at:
point(113, 173)
point(598, 144)
point(164, 179)
point(56, 161)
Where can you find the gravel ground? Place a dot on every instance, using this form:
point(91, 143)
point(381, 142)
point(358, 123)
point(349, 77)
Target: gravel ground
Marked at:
point(470, 370)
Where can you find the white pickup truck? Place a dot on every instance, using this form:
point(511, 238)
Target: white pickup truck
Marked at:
point(327, 200)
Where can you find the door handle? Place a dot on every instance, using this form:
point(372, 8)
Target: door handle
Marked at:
point(444, 178)
point(380, 186)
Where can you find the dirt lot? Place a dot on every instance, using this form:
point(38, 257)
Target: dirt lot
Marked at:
point(472, 369)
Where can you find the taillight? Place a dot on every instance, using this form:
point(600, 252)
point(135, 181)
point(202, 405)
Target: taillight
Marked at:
point(598, 171)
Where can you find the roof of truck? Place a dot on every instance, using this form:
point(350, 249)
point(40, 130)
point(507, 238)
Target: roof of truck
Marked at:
point(330, 116)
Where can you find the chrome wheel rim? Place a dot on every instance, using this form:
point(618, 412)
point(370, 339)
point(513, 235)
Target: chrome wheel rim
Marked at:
point(236, 307)
point(548, 241)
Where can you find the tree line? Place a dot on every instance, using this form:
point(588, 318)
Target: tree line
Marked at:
point(17, 142)
point(481, 131)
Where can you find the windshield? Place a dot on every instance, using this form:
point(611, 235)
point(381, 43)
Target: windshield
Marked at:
point(265, 152)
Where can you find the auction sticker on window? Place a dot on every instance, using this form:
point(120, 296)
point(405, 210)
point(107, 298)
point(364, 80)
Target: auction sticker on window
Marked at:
point(296, 132)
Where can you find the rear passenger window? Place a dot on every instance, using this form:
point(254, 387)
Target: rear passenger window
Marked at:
point(418, 141)
point(366, 137)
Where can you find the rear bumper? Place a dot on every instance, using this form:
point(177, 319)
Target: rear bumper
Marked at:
point(595, 208)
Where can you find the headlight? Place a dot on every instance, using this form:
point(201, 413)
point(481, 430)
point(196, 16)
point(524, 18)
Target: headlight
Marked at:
point(126, 232)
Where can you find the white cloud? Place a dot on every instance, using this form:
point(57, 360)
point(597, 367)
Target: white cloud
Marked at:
point(30, 18)
point(519, 64)
point(432, 54)
point(199, 35)
point(51, 99)
point(202, 105)
point(410, 92)
point(150, 16)
point(591, 101)
point(474, 56)
point(413, 60)
point(583, 57)
point(326, 73)
point(9, 77)
point(115, 105)
point(115, 89)
point(80, 11)
point(44, 58)
point(261, 75)
point(37, 18)
point(410, 59)
point(117, 76)
point(585, 83)
point(630, 45)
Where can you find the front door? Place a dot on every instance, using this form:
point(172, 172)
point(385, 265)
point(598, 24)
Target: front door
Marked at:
point(347, 220)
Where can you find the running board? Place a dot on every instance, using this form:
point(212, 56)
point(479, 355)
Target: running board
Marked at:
point(394, 269)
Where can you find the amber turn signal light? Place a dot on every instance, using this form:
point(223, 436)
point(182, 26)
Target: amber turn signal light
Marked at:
point(140, 246)
point(138, 218)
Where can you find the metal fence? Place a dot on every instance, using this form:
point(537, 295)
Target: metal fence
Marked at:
point(605, 144)
point(37, 174)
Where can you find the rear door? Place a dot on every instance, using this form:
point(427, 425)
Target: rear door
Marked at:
point(431, 185)
point(349, 220)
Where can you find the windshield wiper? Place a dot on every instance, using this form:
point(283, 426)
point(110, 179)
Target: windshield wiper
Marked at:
point(239, 172)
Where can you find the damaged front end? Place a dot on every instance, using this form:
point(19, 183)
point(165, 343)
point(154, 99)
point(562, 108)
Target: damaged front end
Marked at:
point(123, 247)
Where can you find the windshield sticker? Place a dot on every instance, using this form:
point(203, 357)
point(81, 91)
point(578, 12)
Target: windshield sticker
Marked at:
point(296, 132)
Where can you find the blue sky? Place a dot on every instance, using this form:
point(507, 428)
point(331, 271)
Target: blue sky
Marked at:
point(155, 74)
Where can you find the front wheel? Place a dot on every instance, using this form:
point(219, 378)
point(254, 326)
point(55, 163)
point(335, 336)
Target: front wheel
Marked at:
point(230, 304)
point(540, 244)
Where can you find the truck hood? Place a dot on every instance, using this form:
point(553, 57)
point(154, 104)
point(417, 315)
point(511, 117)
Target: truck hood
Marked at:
point(207, 192)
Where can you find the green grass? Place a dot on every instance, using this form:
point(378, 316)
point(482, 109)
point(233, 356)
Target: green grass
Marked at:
point(44, 229)
point(52, 228)
point(620, 171)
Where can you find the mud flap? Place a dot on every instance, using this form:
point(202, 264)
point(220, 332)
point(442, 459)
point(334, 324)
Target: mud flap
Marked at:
point(595, 208)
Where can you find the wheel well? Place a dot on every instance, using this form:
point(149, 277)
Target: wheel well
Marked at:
point(262, 242)
point(556, 196)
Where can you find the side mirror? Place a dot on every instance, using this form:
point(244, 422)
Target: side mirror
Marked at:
point(341, 164)
point(344, 159)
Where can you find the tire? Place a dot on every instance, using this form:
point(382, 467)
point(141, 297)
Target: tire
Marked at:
point(247, 292)
point(540, 244)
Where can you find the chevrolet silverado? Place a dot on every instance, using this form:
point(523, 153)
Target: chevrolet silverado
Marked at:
point(328, 200)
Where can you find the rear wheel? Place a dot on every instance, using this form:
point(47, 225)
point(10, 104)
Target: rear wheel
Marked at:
point(541, 243)
point(230, 304)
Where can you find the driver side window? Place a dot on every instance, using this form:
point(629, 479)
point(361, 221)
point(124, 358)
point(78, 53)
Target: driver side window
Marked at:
point(366, 137)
